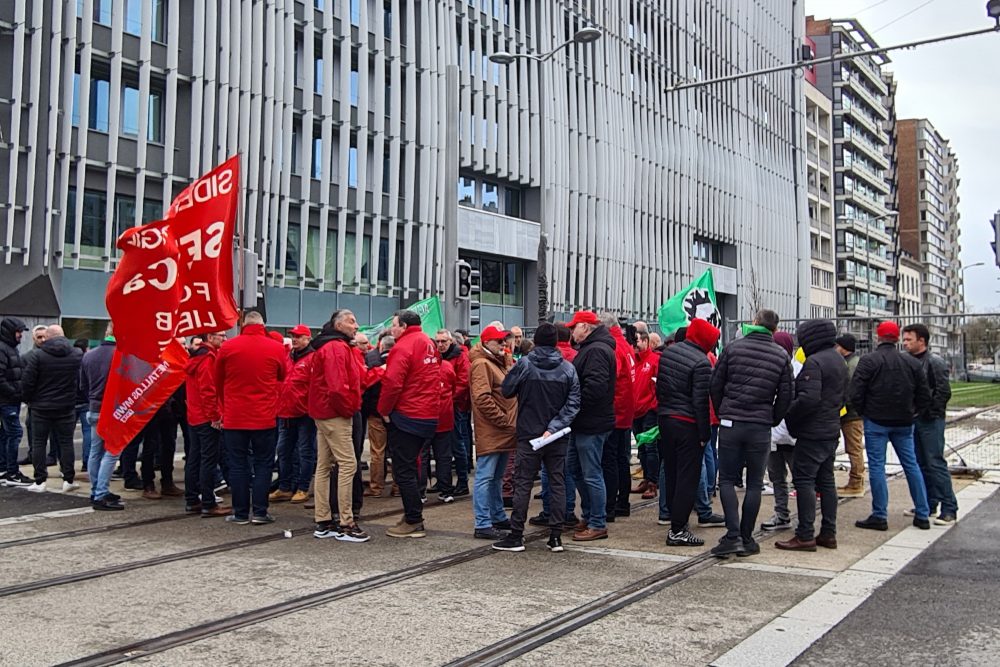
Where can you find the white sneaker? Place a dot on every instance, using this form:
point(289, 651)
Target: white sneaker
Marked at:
point(218, 499)
point(69, 486)
point(768, 490)
point(37, 488)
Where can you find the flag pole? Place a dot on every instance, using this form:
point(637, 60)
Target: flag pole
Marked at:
point(240, 254)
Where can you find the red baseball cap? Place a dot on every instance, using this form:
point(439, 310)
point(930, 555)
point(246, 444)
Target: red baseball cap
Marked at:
point(300, 330)
point(583, 317)
point(492, 333)
point(888, 330)
point(275, 335)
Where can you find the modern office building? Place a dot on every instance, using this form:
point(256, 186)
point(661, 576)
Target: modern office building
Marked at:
point(819, 177)
point(927, 177)
point(380, 144)
point(863, 153)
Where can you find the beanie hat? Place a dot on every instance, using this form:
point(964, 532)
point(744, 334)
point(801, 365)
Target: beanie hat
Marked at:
point(784, 339)
point(546, 335)
point(848, 342)
point(703, 334)
point(888, 330)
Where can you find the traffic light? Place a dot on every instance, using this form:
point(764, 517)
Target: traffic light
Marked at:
point(463, 280)
point(475, 289)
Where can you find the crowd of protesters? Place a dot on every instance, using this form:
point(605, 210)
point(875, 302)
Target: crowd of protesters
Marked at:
point(564, 406)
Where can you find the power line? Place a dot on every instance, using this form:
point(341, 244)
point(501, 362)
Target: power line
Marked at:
point(862, 11)
point(903, 16)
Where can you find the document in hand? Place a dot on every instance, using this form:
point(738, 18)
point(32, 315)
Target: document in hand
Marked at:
point(539, 442)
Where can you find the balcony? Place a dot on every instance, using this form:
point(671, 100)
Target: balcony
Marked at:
point(861, 169)
point(497, 234)
point(873, 151)
point(811, 124)
point(875, 231)
point(821, 256)
point(860, 117)
point(877, 104)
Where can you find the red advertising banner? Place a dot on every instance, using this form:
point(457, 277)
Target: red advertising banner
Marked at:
point(175, 278)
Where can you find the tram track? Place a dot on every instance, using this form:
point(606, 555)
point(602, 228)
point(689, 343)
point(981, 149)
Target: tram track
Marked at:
point(93, 530)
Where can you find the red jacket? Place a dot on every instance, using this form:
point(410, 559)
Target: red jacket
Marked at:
point(411, 384)
point(202, 397)
point(713, 418)
point(625, 378)
point(566, 350)
point(294, 399)
point(645, 385)
point(335, 378)
point(449, 394)
point(249, 370)
point(459, 358)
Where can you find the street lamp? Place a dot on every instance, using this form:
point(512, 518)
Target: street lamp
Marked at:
point(868, 242)
point(582, 36)
point(993, 10)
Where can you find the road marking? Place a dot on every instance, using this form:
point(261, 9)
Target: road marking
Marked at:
point(781, 569)
point(627, 553)
point(785, 638)
point(57, 514)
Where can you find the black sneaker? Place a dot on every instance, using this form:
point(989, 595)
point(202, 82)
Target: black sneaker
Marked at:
point(117, 474)
point(571, 521)
point(461, 491)
point(193, 509)
point(750, 548)
point(555, 544)
point(135, 485)
point(623, 511)
point(352, 533)
point(238, 520)
point(107, 505)
point(712, 521)
point(776, 523)
point(503, 525)
point(446, 497)
point(508, 502)
point(488, 534)
point(261, 520)
point(538, 496)
point(326, 529)
point(684, 538)
point(510, 543)
point(541, 520)
point(112, 496)
point(18, 479)
point(922, 524)
point(727, 546)
point(873, 523)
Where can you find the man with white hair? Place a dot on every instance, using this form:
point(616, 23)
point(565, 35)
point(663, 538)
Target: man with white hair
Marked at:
point(49, 385)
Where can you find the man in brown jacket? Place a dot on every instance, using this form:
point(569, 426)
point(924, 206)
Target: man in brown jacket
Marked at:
point(495, 419)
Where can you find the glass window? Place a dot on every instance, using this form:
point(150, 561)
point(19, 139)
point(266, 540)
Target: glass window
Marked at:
point(491, 277)
point(130, 112)
point(512, 202)
point(76, 100)
point(100, 92)
point(354, 88)
point(512, 284)
point(311, 274)
point(387, 15)
point(92, 228)
point(491, 198)
point(318, 4)
point(350, 263)
point(352, 167)
point(318, 74)
point(356, 12)
point(466, 191)
point(317, 163)
point(386, 173)
point(293, 242)
point(296, 138)
point(383, 261)
point(102, 10)
point(133, 17)
point(154, 117)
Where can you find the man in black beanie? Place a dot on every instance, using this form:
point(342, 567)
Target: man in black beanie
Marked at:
point(548, 399)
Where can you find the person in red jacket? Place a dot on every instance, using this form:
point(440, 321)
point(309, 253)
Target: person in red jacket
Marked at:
point(204, 418)
point(410, 404)
point(645, 413)
point(334, 397)
point(564, 346)
point(440, 446)
point(296, 429)
point(618, 447)
point(249, 370)
point(458, 355)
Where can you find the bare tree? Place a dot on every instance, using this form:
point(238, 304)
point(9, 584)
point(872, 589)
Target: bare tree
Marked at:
point(755, 295)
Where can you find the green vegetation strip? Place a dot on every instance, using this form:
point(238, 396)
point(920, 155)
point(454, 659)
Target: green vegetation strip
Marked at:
point(974, 394)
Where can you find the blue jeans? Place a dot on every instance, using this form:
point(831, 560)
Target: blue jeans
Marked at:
point(487, 501)
point(250, 448)
point(901, 437)
point(709, 471)
point(81, 416)
point(570, 492)
point(462, 447)
point(584, 460)
point(101, 463)
point(928, 440)
point(296, 453)
point(10, 437)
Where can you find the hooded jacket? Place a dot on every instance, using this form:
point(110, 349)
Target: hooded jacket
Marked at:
point(51, 377)
point(294, 399)
point(411, 386)
point(752, 381)
point(889, 387)
point(94, 369)
point(645, 384)
point(821, 385)
point(449, 389)
point(624, 380)
point(202, 395)
point(249, 370)
point(459, 358)
point(547, 391)
point(684, 376)
point(334, 379)
point(11, 363)
point(596, 368)
point(494, 416)
point(937, 382)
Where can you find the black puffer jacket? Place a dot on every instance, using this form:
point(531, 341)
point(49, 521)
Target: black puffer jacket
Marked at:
point(11, 364)
point(752, 381)
point(51, 375)
point(682, 383)
point(821, 385)
point(595, 366)
point(936, 370)
point(547, 390)
point(889, 387)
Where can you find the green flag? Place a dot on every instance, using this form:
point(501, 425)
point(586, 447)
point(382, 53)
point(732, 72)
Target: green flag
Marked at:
point(429, 311)
point(697, 300)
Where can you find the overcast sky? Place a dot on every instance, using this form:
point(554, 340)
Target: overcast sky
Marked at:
point(955, 86)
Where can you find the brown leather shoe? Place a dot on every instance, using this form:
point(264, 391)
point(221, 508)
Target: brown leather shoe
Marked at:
point(280, 496)
point(851, 490)
point(650, 492)
point(641, 487)
point(394, 492)
point(589, 535)
point(795, 544)
point(580, 527)
point(299, 497)
point(372, 493)
point(218, 510)
point(150, 493)
point(171, 490)
point(826, 541)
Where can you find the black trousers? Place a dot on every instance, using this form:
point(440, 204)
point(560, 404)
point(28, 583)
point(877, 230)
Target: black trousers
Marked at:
point(617, 476)
point(743, 444)
point(159, 442)
point(681, 452)
point(200, 465)
point(527, 464)
point(405, 449)
point(812, 471)
point(440, 447)
point(60, 426)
